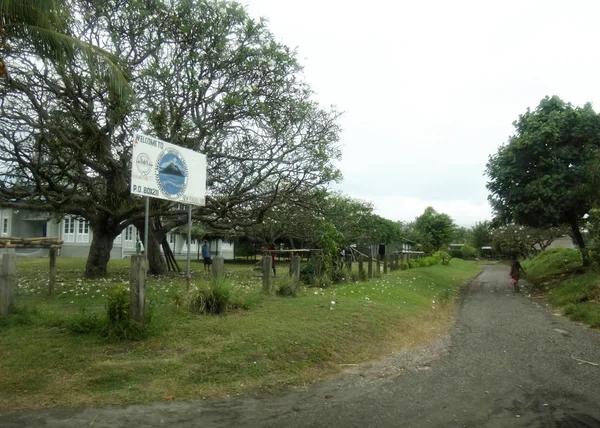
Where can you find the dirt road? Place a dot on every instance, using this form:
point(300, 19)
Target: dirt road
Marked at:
point(508, 362)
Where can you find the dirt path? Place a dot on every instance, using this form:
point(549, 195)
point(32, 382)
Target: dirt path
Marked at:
point(509, 362)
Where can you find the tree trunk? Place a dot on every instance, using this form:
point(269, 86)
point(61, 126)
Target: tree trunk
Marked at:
point(156, 262)
point(580, 242)
point(99, 254)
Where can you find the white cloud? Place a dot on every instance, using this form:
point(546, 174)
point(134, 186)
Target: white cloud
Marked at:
point(430, 89)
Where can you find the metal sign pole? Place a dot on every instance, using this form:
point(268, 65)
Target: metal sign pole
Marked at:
point(147, 214)
point(189, 240)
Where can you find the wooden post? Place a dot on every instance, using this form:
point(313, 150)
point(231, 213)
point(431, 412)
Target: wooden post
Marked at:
point(218, 268)
point(52, 272)
point(266, 274)
point(8, 281)
point(385, 263)
point(378, 264)
point(137, 293)
point(295, 273)
point(370, 267)
point(361, 267)
point(318, 260)
point(349, 262)
point(397, 261)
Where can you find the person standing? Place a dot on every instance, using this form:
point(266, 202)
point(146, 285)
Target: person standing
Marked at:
point(515, 273)
point(206, 255)
point(138, 246)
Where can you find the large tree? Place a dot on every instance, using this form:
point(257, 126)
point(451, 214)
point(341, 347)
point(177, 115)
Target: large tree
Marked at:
point(206, 77)
point(435, 230)
point(44, 26)
point(548, 174)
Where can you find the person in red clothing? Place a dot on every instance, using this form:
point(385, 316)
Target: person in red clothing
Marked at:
point(515, 273)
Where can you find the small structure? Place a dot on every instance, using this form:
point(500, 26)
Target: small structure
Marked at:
point(52, 244)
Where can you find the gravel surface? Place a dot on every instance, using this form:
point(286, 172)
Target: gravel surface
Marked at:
point(509, 361)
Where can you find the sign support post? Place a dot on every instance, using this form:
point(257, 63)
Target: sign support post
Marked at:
point(189, 241)
point(146, 215)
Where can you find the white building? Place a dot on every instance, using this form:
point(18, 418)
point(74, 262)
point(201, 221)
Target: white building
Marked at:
point(77, 235)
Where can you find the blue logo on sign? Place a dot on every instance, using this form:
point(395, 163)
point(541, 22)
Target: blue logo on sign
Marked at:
point(171, 173)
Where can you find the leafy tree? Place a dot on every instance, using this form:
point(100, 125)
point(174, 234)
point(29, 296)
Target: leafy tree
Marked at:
point(548, 173)
point(42, 26)
point(523, 240)
point(206, 77)
point(462, 235)
point(435, 230)
point(469, 252)
point(481, 235)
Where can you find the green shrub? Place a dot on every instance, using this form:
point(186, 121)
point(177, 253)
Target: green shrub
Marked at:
point(118, 325)
point(412, 263)
point(468, 252)
point(362, 275)
point(404, 266)
point(552, 262)
point(443, 257)
point(84, 322)
point(285, 287)
point(211, 300)
point(456, 253)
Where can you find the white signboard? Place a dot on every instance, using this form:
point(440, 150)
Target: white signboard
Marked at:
point(166, 171)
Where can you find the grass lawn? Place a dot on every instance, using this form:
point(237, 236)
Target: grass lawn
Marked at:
point(279, 342)
point(558, 273)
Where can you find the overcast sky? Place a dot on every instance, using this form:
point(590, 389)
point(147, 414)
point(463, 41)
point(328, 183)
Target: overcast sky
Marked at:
point(429, 89)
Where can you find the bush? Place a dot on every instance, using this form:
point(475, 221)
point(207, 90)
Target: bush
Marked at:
point(118, 325)
point(443, 257)
point(468, 252)
point(456, 254)
point(211, 300)
point(551, 262)
point(285, 288)
point(404, 266)
point(84, 323)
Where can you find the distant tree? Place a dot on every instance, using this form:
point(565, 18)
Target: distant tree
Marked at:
point(462, 235)
point(481, 235)
point(549, 172)
point(523, 240)
point(435, 230)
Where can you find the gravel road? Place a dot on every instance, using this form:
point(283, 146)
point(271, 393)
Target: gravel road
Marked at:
point(509, 361)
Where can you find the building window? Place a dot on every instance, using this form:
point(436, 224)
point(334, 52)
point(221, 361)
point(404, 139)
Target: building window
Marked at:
point(171, 238)
point(83, 231)
point(5, 226)
point(69, 229)
point(129, 237)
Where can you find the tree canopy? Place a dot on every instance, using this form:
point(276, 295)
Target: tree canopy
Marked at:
point(206, 76)
point(435, 230)
point(548, 172)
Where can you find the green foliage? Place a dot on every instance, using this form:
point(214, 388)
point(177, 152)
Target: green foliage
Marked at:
point(435, 230)
point(456, 253)
point(469, 252)
point(84, 322)
point(552, 262)
point(523, 240)
point(118, 325)
point(481, 235)
point(284, 288)
point(213, 299)
point(443, 257)
point(548, 173)
point(404, 266)
point(593, 225)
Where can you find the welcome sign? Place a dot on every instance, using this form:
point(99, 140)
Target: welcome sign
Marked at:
point(166, 171)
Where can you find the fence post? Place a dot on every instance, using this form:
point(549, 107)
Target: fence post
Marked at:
point(318, 260)
point(361, 267)
point(385, 263)
point(378, 264)
point(349, 262)
point(397, 261)
point(295, 273)
point(370, 267)
point(137, 288)
point(52, 272)
point(8, 280)
point(218, 268)
point(266, 273)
